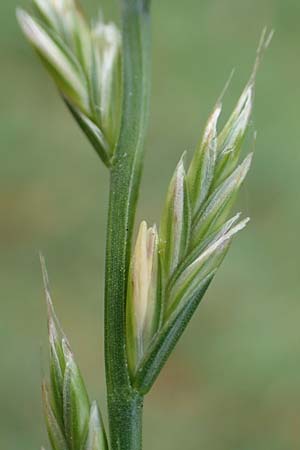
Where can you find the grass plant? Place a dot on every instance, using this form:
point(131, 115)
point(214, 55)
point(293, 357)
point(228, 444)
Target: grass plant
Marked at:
point(153, 287)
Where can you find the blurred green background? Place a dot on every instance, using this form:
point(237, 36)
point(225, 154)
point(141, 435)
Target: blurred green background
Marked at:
point(234, 380)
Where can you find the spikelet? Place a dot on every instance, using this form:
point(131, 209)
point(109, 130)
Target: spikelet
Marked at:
point(143, 304)
point(195, 231)
point(84, 62)
point(72, 422)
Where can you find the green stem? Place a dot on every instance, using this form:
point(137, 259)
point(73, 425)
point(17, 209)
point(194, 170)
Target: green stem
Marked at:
point(124, 403)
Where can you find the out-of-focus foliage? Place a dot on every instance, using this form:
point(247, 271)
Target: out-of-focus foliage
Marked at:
point(238, 386)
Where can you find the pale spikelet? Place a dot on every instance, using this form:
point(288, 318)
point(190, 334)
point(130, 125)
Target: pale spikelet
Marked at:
point(84, 62)
point(142, 298)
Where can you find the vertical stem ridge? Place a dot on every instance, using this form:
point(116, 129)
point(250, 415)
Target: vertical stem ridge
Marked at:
point(124, 404)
